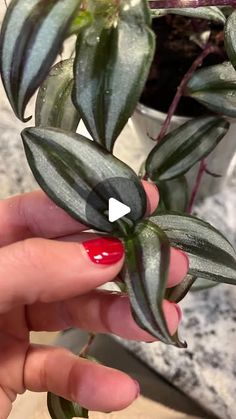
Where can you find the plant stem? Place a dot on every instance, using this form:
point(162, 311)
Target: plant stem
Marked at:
point(201, 171)
point(85, 350)
point(169, 4)
point(209, 49)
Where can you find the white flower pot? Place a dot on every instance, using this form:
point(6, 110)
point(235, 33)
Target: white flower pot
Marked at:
point(134, 145)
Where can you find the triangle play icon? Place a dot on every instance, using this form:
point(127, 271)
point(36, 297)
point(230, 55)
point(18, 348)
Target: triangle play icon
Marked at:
point(117, 210)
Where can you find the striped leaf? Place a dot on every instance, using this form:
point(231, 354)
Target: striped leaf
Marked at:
point(230, 38)
point(202, 284)
point(215, 87)
point(177, 293)
point(112, 63)
point(145, 275)
point(31, 37)
point(211, 256)
point(54, 107)
point(83, 18)
point(186, 145)
point(60, 408)
point(212, 13)
point(173, 194)
point(81, 176)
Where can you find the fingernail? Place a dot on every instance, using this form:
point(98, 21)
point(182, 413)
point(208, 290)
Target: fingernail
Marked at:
point(104, 250)
point(179, 311)
point(138, 389)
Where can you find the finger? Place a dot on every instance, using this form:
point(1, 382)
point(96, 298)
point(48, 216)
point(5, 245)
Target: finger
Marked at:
point(34, 215)
point(79, 380)
point(45, 270)
point(152, 196)
point(179, 266)
point(6, 405)
point(179, 263)
point(98, 311)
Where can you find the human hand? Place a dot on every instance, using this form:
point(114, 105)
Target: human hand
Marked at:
point(49, 269)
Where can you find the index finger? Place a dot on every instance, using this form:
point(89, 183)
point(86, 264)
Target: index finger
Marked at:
point(35, 215)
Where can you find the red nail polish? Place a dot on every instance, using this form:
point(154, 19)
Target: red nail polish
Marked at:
point(104, 250)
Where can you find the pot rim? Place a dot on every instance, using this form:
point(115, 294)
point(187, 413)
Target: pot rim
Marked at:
point(154, 114)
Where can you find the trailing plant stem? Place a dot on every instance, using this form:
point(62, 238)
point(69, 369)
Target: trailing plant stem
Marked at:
point(85, 350)
point(209, 49)
point(201, 171)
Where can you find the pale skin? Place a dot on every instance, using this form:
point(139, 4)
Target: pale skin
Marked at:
point(47, 282)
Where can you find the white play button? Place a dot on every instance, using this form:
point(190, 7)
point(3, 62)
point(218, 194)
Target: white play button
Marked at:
point(117, 210)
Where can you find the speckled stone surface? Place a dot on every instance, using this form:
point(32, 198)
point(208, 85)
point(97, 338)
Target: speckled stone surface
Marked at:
point(206, 371)
point(15, 176)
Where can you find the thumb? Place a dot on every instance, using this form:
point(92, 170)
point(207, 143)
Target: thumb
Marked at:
point(152, 196)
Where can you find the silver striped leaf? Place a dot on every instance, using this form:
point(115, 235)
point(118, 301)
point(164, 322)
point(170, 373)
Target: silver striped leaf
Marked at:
point(215, 87)
point(174, 194)
point(81, 176)
point(211, 256)
point(202, 284)
point(230, 38)
point(145, 275)
point(54, 106)
point(185, 146)
point(31, 37)
point(112, 63)
point(190, 283)
point(177, 293)
point(211, 13)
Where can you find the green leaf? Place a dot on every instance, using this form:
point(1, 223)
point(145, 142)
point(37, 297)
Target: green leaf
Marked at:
point(210, 254)
point(113, 59)
point(202, 284)
point(215, 87)
point(31, 37)
point(54, 107)
point(80, 176)
point(177, 293)
point(230, 38)
point(174, 194)
point(186, 145)
point(60, 408)
point(212, 13)
point(84, 18)
point(190, 282)
point(145, 275)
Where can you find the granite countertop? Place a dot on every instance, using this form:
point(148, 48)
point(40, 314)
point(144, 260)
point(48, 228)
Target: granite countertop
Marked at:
point(206, 371)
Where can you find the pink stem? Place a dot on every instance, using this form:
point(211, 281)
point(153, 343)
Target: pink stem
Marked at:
point(169, 4)
point(201, 171)
point(180, 90)
point(85, 350)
